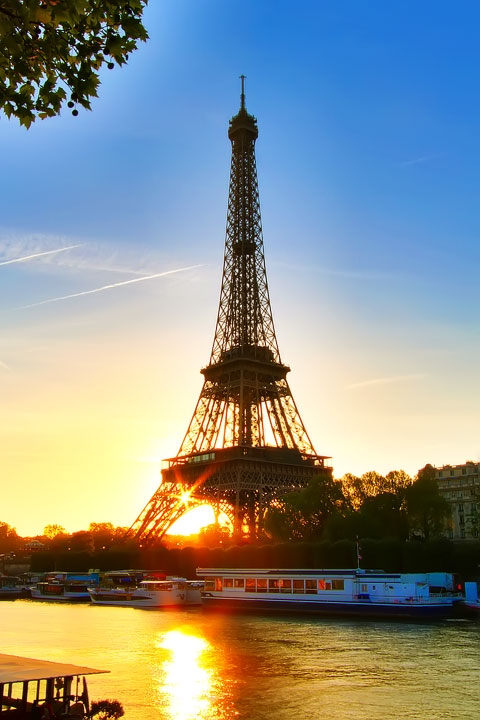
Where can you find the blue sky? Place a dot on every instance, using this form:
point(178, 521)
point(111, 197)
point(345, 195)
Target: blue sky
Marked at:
point(368, 158)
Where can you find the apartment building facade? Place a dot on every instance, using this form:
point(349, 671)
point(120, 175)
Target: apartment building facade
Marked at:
point(460, 485)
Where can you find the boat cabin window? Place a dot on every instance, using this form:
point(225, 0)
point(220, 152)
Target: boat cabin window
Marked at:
point(273, 586)
point(286, 586)
point(338, 584)
point(228, 582)
point(262, 584)
point(310, 587)
point(239, 582)
point(250, 585)
point(299, 587)
point(209, 584)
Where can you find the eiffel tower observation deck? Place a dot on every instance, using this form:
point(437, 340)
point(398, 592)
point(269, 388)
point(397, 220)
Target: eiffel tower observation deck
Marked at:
point(246, 445)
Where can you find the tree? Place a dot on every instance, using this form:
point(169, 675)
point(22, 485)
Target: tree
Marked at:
point(214, 535)
point(302, 515)
point(53, 531)
point(106, 710)
point(105, 534)
point(9, 540)
point(81, 541)
point(50, 49)
point(427, 509)
point(370, 484)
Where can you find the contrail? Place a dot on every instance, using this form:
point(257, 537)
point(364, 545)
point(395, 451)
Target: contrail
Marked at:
point(384, 381)
point(40, 254)
point(107, 287)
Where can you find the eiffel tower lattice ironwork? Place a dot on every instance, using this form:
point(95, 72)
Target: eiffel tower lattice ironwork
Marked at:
point(246, 444)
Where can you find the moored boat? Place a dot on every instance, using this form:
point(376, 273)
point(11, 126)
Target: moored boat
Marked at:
point(31, 688)
point(471, 602)
point(12, 588)
point(170, 592)
point(355, 592)
point(65, 587)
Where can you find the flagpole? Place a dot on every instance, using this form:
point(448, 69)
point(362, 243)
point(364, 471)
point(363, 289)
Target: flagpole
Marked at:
point(358, 555)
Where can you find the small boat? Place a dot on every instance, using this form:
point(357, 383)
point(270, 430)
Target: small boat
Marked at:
point(471, 602)
point(355, 592)
point(12, 588)
point(171, 592)
point(65, 587)
point(41, 689)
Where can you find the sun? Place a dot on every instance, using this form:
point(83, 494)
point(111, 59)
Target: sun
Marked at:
point(193, 520)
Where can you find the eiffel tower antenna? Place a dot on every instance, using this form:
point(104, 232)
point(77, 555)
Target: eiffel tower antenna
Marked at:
point(246, 445)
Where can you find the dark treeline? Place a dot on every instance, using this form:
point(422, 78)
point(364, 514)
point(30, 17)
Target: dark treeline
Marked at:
point(391, 555)
point(375, 506)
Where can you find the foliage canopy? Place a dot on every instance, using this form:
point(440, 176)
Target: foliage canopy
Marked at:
point(50, 49)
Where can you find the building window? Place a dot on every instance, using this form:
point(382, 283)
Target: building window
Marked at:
point(452, 472)
point(461, 520)
point(464, 471)
point(462, 532)
point(474, 507)
point(460, 508)
point(474, 532)
point(440, 474)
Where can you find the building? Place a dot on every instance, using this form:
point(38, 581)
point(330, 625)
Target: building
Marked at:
point(460, 485)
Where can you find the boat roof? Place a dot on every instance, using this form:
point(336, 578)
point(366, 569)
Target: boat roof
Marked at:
point(14, 668)
point(294, 571)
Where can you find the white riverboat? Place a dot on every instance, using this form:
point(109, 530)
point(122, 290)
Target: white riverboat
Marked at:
point(172, 592)
point(64, 587)
point(355, 592)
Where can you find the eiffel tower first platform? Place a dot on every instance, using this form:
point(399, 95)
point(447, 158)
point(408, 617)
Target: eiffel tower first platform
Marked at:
point(246, 445)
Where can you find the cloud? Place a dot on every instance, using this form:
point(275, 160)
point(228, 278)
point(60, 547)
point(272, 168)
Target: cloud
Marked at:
point(39, 254)
point(94, 257)
point(106, 287)
point(384, 381)
point(418, 160)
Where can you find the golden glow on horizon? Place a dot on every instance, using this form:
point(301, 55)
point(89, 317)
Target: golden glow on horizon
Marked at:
point(186, 685)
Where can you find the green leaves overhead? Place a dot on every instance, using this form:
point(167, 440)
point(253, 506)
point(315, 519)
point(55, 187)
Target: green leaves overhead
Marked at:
point(53, 50)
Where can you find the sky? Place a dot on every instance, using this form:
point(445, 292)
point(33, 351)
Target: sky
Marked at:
point(367, 157)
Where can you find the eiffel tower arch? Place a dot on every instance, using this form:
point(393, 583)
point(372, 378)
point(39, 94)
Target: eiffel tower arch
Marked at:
point(246, 445)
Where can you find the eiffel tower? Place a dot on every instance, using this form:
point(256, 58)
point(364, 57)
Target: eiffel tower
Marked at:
point(246, 445)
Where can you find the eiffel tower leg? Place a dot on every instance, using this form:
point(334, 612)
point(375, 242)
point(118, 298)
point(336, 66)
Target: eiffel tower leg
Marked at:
point(237, 527)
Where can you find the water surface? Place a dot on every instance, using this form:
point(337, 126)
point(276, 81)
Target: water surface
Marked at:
point(192, 665)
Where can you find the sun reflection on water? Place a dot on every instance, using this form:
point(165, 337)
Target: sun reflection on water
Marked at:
point(186, 686)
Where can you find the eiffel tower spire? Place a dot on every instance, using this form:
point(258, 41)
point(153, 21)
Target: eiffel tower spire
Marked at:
point(246, 444)
point(246, 400)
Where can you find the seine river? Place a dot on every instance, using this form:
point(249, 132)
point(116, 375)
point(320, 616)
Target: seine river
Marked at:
point(189, 665)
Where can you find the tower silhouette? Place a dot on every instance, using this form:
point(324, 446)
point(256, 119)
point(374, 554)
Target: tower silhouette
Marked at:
point(246, 445)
